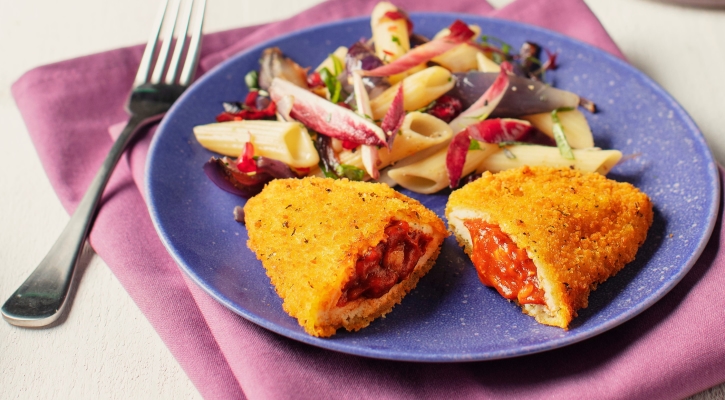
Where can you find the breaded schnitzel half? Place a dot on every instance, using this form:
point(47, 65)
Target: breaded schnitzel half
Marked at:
point(546, 237)
point(341, 253)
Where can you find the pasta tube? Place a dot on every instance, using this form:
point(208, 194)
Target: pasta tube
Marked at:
point(419, 90)
point(486, 64)
point(418, 132)
point(576, 127)
point(588, 160)
point(391, 36)
point(461, 58)
point(288, 142)
point(430, 175)
point(340, 53)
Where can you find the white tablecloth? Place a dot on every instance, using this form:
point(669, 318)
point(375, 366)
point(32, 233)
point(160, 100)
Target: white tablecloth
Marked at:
point(106, 348)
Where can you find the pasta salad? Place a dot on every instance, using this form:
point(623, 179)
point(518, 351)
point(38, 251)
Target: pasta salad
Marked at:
point(402, 109)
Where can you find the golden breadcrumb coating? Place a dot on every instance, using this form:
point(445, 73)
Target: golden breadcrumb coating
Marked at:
point(309, 233)
point(578, 228)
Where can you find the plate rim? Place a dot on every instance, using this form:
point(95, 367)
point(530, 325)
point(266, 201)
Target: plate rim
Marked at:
point(385, 354)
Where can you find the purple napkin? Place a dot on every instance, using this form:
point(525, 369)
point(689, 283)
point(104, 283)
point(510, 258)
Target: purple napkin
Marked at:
point(674, 349)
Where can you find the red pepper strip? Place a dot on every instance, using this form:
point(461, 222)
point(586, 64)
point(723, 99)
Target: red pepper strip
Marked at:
point(227, 116)
point(460, 33)
point(251, 100)
point(490, 131)
point(250, 110)
point(348, 145)
point(245, 162)
point(393, 119)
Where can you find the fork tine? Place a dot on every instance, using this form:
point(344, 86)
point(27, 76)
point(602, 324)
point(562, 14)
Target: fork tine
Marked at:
point(166, 44)
point(192, 56)
point(146, 60)
point(180, 43)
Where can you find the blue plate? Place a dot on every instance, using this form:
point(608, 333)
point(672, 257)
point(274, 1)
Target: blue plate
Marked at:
point(450, 316)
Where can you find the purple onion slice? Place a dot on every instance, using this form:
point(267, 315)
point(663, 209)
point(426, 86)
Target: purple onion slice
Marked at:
point(224, 173)
point(530, 97)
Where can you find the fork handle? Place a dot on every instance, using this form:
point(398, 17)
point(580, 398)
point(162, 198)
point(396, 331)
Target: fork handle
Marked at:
point(40, 300)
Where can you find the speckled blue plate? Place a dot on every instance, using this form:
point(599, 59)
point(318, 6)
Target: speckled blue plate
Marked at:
point(450, 316)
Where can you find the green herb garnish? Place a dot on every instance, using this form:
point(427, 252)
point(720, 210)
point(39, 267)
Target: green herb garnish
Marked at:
point(334, 87)
point(340, 171)
point(251, 79)
point(337, 64)
point(350, 172)
point(561, 142)
point(396, 40)
point(474, 145)
point(493, 41)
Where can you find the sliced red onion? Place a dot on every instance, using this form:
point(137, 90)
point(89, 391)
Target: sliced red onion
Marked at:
point(277, 169)
point(484, 106)
point(394, 117)
point(284, 107)
point(361, 57)
point(329, 160)
point(456, 158)
point(370, 156)
point(530, 97)
point(227, 177)
point(274, 64)
point(331, 164)
point(489, 131)
point(371, 159)
point(225, 174)
point(499, 130)
point(460, 33)
point(418, 40)
point(327, 118)
point(529, 54)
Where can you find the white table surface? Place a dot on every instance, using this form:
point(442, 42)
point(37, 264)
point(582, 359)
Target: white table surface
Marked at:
point(106, 348)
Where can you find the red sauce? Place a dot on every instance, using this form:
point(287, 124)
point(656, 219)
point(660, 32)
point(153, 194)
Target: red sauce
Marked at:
point(502, 265)
point(386, 264)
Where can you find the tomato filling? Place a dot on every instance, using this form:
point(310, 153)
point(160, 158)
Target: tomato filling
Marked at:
point(386, 264)
point(502, 265)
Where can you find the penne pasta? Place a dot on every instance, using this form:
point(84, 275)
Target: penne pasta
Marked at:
point(419, 90)
point(418, 132)
point(430, 174)
point(340, 53)
point(588, 160)
point(347, 110)
point(576, 127)
point(391, 36)
point(288, 142)
point(461, 58)
point(485, 64)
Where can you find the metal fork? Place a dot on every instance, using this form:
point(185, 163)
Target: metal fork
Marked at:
point(41, 299)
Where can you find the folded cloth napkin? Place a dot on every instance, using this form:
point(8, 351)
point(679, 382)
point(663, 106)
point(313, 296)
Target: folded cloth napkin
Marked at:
point(672, 350)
